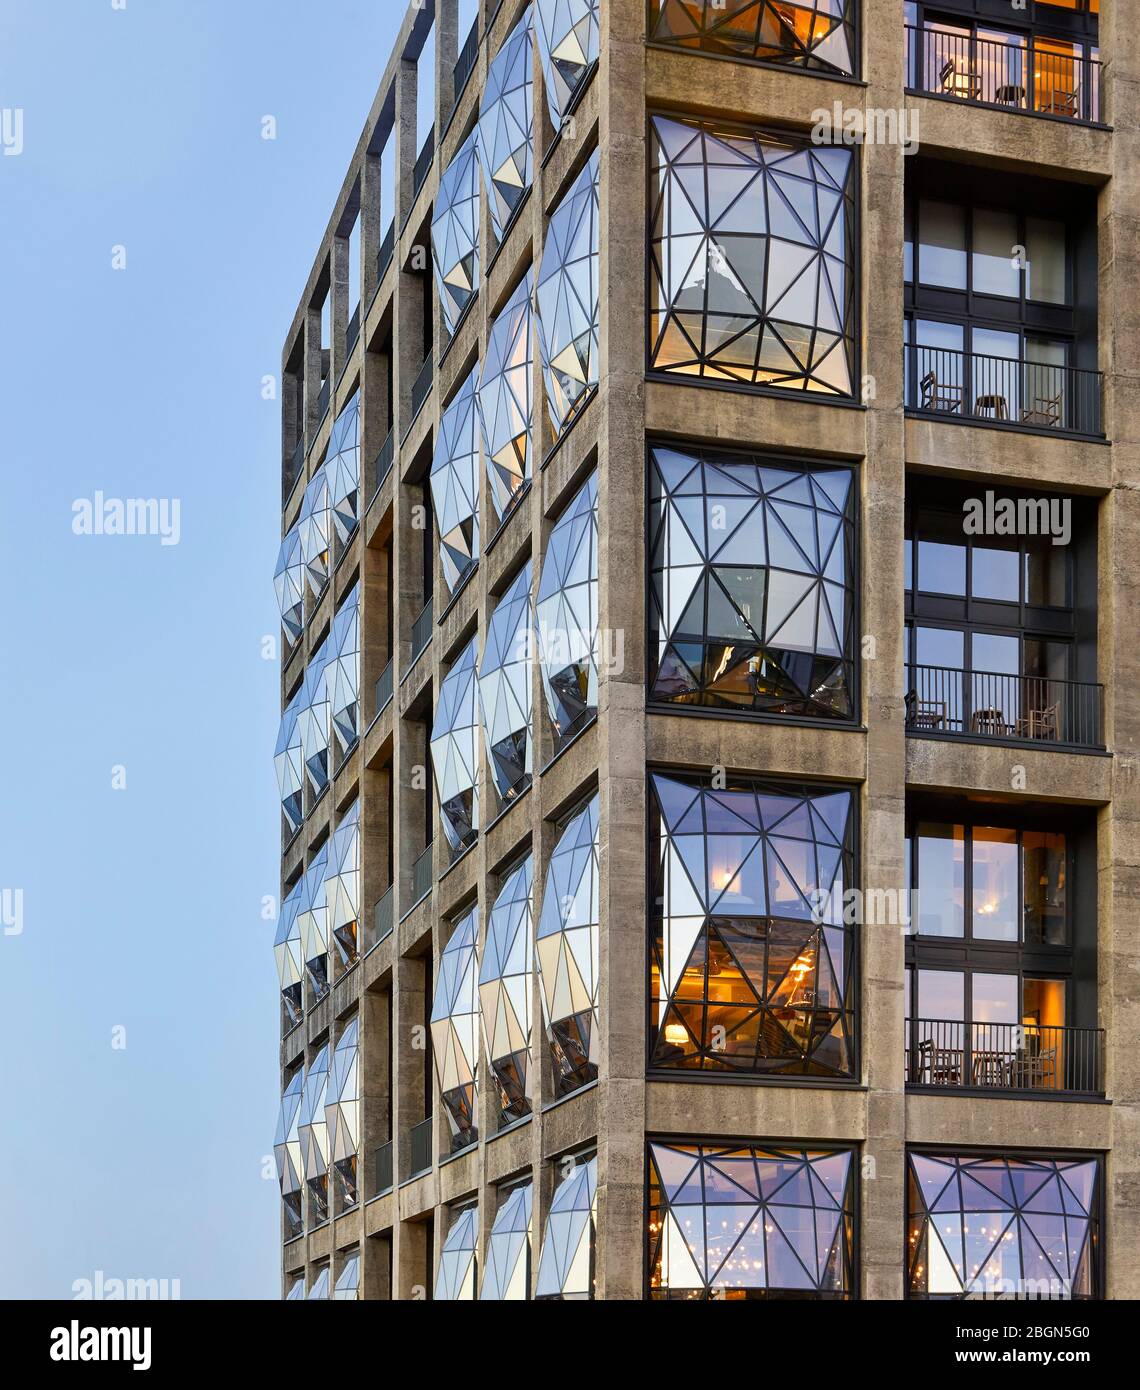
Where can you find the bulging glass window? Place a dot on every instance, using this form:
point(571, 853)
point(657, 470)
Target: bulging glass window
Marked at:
point(312, 921)
point(1003, 1227)
point(455, 1029)
point(455, 751)
point(342, 674)
point(505, 398)
point(348, 1281)
point(342, 886)
point(342, 467)
point(455, 483)
point(458, 1265)
point(287, 1152)
point(289, 585)
point(455, 232)
point(287, 953)
point(566, 615)
point(752, 595)
point(568, 43)
point(320, 1290)
point(289, 764)
point(314, 524)
point(751, 968)
point(818, 35)
point(566, 947)
point(745, 1222)
point(566, 299)
point(506, 1274)
point(314, 1136)
point(505, 689)
point(506, 126)
point(313, 721)
point(342, 1111)
point(566, 1265)
point(296, 1289)
point(752, 257)
point(505, 977)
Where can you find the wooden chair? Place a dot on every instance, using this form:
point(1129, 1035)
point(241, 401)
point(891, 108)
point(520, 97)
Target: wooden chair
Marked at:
point(940, 396)
point(939, 1066)
point(958, 79)
point(1041, 723)
point(925, 714)
point(1044, 411)
point(1040, 1070)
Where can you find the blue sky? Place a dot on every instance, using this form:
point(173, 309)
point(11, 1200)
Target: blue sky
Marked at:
point(141, 906)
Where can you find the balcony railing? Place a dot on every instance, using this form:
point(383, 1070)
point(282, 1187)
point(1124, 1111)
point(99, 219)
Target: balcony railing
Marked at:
point(423, 163)
point(383, 915)
point(465, 63)
point(420, 1148)
point(1005, 1056)
point(421, 876)
point(387, 247)
point(352, 332)
point(1036, 75)
point(295, 466)
point(976, 386)
point(323, 399)
point(989, 704)
point(384, 688)
point(383, 1169)
point(385, 458)
point(422, 385)
point(421, 630)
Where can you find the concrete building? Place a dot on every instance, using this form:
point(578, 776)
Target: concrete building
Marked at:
point(711, 461)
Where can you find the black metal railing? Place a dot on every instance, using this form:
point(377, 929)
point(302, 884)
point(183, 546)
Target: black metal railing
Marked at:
point(384, 459)
point(382, 1171)
point(1005, 1056)
point(384, 688)
point(421, 630)
point(295, 466)
point(423, 162)
point(1034, 74)
point(387, 248)
point(1028, 709)
point(976, 386)
point(383, 917)
point(420, 1147)
point(465, 63)
point(422, 385)
point(352, 332)
point(323, 399)
point(421, 876)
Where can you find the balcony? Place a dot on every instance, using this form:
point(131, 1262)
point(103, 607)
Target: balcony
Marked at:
point(1004, 1057)
point(421, 631)
point(384, 689)
point(295, 466)
point(465, 63)
point(421, 388)
point(323, 399)
point(1031, 73)
point(382, 1170)
point(352, 332)
point(387, 248)
point(420, 1148)
point(421, 876)
point(423, 163)
point(989, 705)
point(1040, 396)
point(385, 458)
point(383, 918)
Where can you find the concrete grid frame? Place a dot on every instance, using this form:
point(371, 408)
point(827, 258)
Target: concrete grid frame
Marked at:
point(399, 1230)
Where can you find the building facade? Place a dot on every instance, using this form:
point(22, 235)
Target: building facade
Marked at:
point(710, 811)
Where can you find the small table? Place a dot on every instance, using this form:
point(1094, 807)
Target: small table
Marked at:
point(1012, 94)
point(993, 402)
point(988, 721)
point(991, 1069)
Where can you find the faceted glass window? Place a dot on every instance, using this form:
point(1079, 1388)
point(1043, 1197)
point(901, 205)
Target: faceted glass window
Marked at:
point(751, 968)
point(342, 467)
point(566, 299)
point(320, 1289)
point(288, 955)
point(566, 947)
point(504, 398)
point(314, 523)
point(455, 1281)
point(504, 689)
point(566, 1265)
point(313, 721)
point(314, 1135)
point(342, 886)
point(567, 49)
point(504, 991)
point(287, 1152)
point(819, 34)
point(342, 1111)
point(454, 751)
point(752, 583)
point(455, 232)
point(289, 763)
point(736, 1222)
point(348, 1284)
point(752, 251)
point(1001, 1227)
point(506, 1274)
point(296, 1289)
point(455, 1029)
point(566, 615)
point(342, 673)
point(312, 921)
point(455, 483)
point(289, 585)
point(506, 135)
